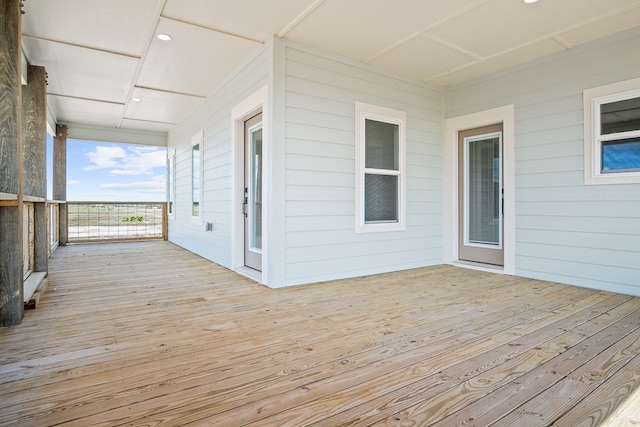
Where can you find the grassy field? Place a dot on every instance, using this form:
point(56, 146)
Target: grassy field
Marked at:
point(104, 214)
point(98, 221)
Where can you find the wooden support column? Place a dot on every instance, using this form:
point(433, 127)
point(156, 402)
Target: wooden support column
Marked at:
point(60, 179)
point(11, 280)
point(34, 131)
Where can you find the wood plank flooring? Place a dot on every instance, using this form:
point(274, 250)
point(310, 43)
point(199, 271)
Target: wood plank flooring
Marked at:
point(148, 334)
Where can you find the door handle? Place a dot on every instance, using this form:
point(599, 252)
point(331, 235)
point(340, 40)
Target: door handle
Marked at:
point(245, 203)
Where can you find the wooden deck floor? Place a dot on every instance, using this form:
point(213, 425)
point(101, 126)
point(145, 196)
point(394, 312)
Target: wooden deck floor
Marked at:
point(149, 334)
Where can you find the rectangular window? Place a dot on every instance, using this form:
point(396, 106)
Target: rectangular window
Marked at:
point(171, 183)
point(196, 176)
point(380, 164)
point(621, 156)
point(612, 133)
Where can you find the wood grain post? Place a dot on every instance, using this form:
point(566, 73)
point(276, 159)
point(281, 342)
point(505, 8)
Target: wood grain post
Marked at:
point(60, 180)
point(34, 131)
point(11, 177)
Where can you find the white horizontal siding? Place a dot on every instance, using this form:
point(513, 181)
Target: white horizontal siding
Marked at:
point(214, 119)
point(321, 244)
point(565, 231)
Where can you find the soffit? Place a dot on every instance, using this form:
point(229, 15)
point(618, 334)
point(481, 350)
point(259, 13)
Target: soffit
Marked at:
point(101, 54)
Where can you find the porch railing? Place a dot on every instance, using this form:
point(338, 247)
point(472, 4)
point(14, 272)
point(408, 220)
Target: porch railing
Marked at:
point(54, 224)
point(116, 221)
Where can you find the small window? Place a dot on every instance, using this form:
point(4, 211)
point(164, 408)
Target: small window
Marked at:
point(171, 183)
point(380, 165)
point(612, 133)
point(196, 176)
point(621, 156)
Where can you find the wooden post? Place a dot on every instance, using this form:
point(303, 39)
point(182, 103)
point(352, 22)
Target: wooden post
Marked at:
point(165, 222)
point(11, 182)
point(34, 130)
point(60, 180)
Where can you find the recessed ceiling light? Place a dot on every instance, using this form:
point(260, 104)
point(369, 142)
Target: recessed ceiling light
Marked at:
point(164, 37)
point(530, 1)
point(136, 99)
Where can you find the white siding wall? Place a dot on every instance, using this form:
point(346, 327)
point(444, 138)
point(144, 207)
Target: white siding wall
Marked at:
point(214, 118)
point(321, 243)
point(565, 231)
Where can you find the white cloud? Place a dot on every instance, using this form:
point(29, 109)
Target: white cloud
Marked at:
point(129, 172)
point(73, 182)
point(155, 185)
point(105, 157)
point(134, 160)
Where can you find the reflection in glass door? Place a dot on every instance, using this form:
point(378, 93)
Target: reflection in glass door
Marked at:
point(480, 195)
point(252, 206)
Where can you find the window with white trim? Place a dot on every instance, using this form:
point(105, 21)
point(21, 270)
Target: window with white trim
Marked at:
point(380, 168)
point(171, 183)
point(197, 163)
point(612, 133)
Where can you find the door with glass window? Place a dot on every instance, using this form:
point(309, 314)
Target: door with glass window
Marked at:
point(480, 195)
point(252, 203)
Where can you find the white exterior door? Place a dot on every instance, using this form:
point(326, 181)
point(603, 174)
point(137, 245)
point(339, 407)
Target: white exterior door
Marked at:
point(252, 202)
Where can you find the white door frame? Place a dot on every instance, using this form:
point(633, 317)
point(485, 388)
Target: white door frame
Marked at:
point(248, 108)
point(504, 115)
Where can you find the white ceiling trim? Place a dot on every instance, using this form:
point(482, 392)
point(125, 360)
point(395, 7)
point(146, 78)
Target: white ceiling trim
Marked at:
point(555, 36)
point(136, 75)
point(157, 122)
point(298, 19)
point(112, 52)
point(100, 55)
point(215, 30)
point(81, 131)
point(170, 92)
point(452, 46)
point(495, 55)
point(80, 98)
point(564, 42)
point(424, 30)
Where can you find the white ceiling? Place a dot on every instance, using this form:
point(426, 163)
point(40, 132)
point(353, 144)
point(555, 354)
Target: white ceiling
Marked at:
point(100, 54)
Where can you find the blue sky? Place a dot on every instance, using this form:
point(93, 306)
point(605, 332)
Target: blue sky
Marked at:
point(98, 171)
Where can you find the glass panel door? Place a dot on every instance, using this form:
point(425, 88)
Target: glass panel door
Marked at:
point(255, 188)
point(482, 191)
point(252, 204)
point(480, 195)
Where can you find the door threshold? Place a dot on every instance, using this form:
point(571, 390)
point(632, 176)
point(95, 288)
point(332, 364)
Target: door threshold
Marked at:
point(250, 273)
point(479, 266)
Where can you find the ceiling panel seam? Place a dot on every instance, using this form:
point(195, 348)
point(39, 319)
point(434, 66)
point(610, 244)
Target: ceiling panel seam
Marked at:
point(136, 74)
point(149, 121)
point(424, 30)
point(452, 46)
point(597, 18)
point(495, 55)
point(215, 30)
point(171, 92)
point(111, 52)
point(555, 36)
point(104, 101)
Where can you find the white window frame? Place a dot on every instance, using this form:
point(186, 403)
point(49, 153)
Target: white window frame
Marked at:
point(171, 184)
point(386, 115)
point(198, 139)
point(592, 100)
